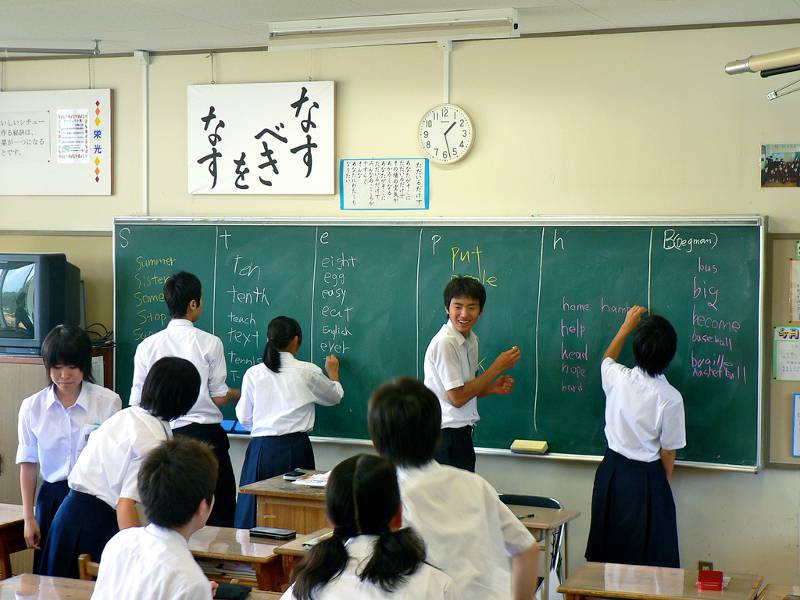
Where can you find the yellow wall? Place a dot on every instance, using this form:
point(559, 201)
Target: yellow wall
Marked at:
point(622, 124)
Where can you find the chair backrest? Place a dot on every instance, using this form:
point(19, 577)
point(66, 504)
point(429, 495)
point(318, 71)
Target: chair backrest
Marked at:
point(87, 569)
point(542, 501)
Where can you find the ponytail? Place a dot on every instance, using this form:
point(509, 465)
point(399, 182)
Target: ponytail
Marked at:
point(324, 562)
point(362, 498)
point(397, 555)
point(280, 332)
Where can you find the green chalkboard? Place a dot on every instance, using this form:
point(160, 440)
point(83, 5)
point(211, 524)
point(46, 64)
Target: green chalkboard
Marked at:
point(371, 292)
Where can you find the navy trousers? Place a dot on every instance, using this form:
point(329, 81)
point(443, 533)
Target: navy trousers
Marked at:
point(456, 449)
point(49, 499)
point(268, 456)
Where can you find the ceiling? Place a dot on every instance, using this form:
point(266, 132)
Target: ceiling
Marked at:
point(175, 25)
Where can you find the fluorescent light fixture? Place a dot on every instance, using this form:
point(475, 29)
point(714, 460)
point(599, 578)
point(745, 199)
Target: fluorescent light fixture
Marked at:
point(69, 51)
point(763, 62)
point(405, 28)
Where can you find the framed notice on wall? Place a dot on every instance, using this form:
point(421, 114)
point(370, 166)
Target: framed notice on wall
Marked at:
point(55, 143)
point(261, 138)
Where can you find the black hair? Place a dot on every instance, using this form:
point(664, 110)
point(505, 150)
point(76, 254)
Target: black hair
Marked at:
point(174, 478)
point(654, 344)
point(362, 497)
point(68, 345)
point(170, 388)
point(468, 287)
point(180, 289)
point(405, 421)
point(280, 333)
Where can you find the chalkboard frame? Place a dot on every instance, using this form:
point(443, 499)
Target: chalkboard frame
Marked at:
point(755, 221)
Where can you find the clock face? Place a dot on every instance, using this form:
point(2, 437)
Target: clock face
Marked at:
point(445, 133)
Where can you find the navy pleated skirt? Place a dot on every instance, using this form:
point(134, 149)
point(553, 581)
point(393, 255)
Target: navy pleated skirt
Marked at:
point(83, 524)
point(633, 514)
point(268, 456)
point(50, 497)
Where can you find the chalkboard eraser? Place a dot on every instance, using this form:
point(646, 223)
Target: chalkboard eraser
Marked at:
point(529, 446)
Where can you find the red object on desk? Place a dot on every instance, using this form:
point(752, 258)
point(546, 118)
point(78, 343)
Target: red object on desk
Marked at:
point(709, 580)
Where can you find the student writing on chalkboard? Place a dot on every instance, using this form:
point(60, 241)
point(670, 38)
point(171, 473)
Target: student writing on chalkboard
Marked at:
point(183, 294)
point(451, 361)
point(54, 425)
point(633, 512)
point(369, 556)
point(277, 405)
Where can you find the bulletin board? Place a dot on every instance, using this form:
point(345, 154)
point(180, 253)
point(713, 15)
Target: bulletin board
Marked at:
point(55, 143)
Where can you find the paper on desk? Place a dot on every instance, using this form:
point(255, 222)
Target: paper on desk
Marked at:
point(316, 480)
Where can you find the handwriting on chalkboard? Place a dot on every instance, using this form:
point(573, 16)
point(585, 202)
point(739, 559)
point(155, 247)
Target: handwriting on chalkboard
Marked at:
point(148, 297)
point(335, 308)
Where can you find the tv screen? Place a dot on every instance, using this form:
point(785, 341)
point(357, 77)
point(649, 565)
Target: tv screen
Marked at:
point(37, 292)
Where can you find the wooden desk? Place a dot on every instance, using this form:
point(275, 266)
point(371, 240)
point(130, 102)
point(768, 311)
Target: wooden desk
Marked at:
point(230, 545)
point(543, 523)
point(774, 591)
point(36, 587)
point(281, 503)
point(12, 536)
point(606, 580)
point(292, 552)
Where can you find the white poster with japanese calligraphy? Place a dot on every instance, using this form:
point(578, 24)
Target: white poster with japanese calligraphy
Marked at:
point(55, 143)
point(261, 138)
point(383, 183)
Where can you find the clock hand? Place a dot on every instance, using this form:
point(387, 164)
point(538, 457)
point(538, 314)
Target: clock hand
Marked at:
point(453, 124)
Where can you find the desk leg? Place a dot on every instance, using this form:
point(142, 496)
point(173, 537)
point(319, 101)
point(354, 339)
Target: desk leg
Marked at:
point(548, 549)
point(269, 576)
point(565, 560)
point(5, 561)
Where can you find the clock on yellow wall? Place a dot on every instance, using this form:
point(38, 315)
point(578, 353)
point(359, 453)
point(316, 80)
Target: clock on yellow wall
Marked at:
point(446, 133)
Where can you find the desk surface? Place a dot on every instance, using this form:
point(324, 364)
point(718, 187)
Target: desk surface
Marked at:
point(628, 581)
point(36, 587)
point(295, 547)
point(543, 518)
point(226, 543)
point(278, 487)
point(777, 591)
point(10, 513)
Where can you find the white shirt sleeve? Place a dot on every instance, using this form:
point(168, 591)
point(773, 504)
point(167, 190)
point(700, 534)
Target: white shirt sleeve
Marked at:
point(217, 371)
point(447, 365)
point(673, 426)
point(516, 536)
point(139, 374)
point(324, 390)
point(28, 448)
point(610, 372)
point(198, 591)
point(244, 408)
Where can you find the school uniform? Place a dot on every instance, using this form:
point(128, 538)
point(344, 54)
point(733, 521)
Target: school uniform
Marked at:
point(451, 360)
point(150, 562)
point(105, 471)
point(468, 532)
point(427, 582)
point(204, 350)
point(633, 512)
point(278, 409)
point(52, 436)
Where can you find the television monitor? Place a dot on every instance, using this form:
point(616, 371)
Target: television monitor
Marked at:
point(37, 292)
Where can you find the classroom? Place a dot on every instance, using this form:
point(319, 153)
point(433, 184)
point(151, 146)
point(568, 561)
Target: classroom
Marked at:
point(596, 121)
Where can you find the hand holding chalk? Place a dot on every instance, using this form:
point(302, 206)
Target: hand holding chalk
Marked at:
point(507, 359)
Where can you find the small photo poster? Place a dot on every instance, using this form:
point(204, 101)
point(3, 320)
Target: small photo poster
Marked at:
point(786, 353)
point(796, 425)
point(780, 165)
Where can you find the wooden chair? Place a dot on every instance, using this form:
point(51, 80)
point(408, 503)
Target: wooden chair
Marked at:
point(87, 569)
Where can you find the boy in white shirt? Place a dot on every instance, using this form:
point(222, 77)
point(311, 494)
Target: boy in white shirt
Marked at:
point(469, 533)
point(176, 482)
point(451, 361)
point(183, 294)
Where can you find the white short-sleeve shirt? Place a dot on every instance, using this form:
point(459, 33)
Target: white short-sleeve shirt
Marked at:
point(280, 403)
point(469, 533)
point(204, 350)
point(643, 413)
point(52, 435)
point(451, 360)
point(149, 562)
point(109, 465)
point(427, 583)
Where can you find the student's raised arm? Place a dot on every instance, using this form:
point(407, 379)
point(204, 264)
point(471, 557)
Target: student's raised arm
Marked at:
point(635, 314)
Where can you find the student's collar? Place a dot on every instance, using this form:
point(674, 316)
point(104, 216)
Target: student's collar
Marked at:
point(81, 401)
point(165, 533)
point(180, 322)
point(405, 473)
point(459, 336)
point(360, 546)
